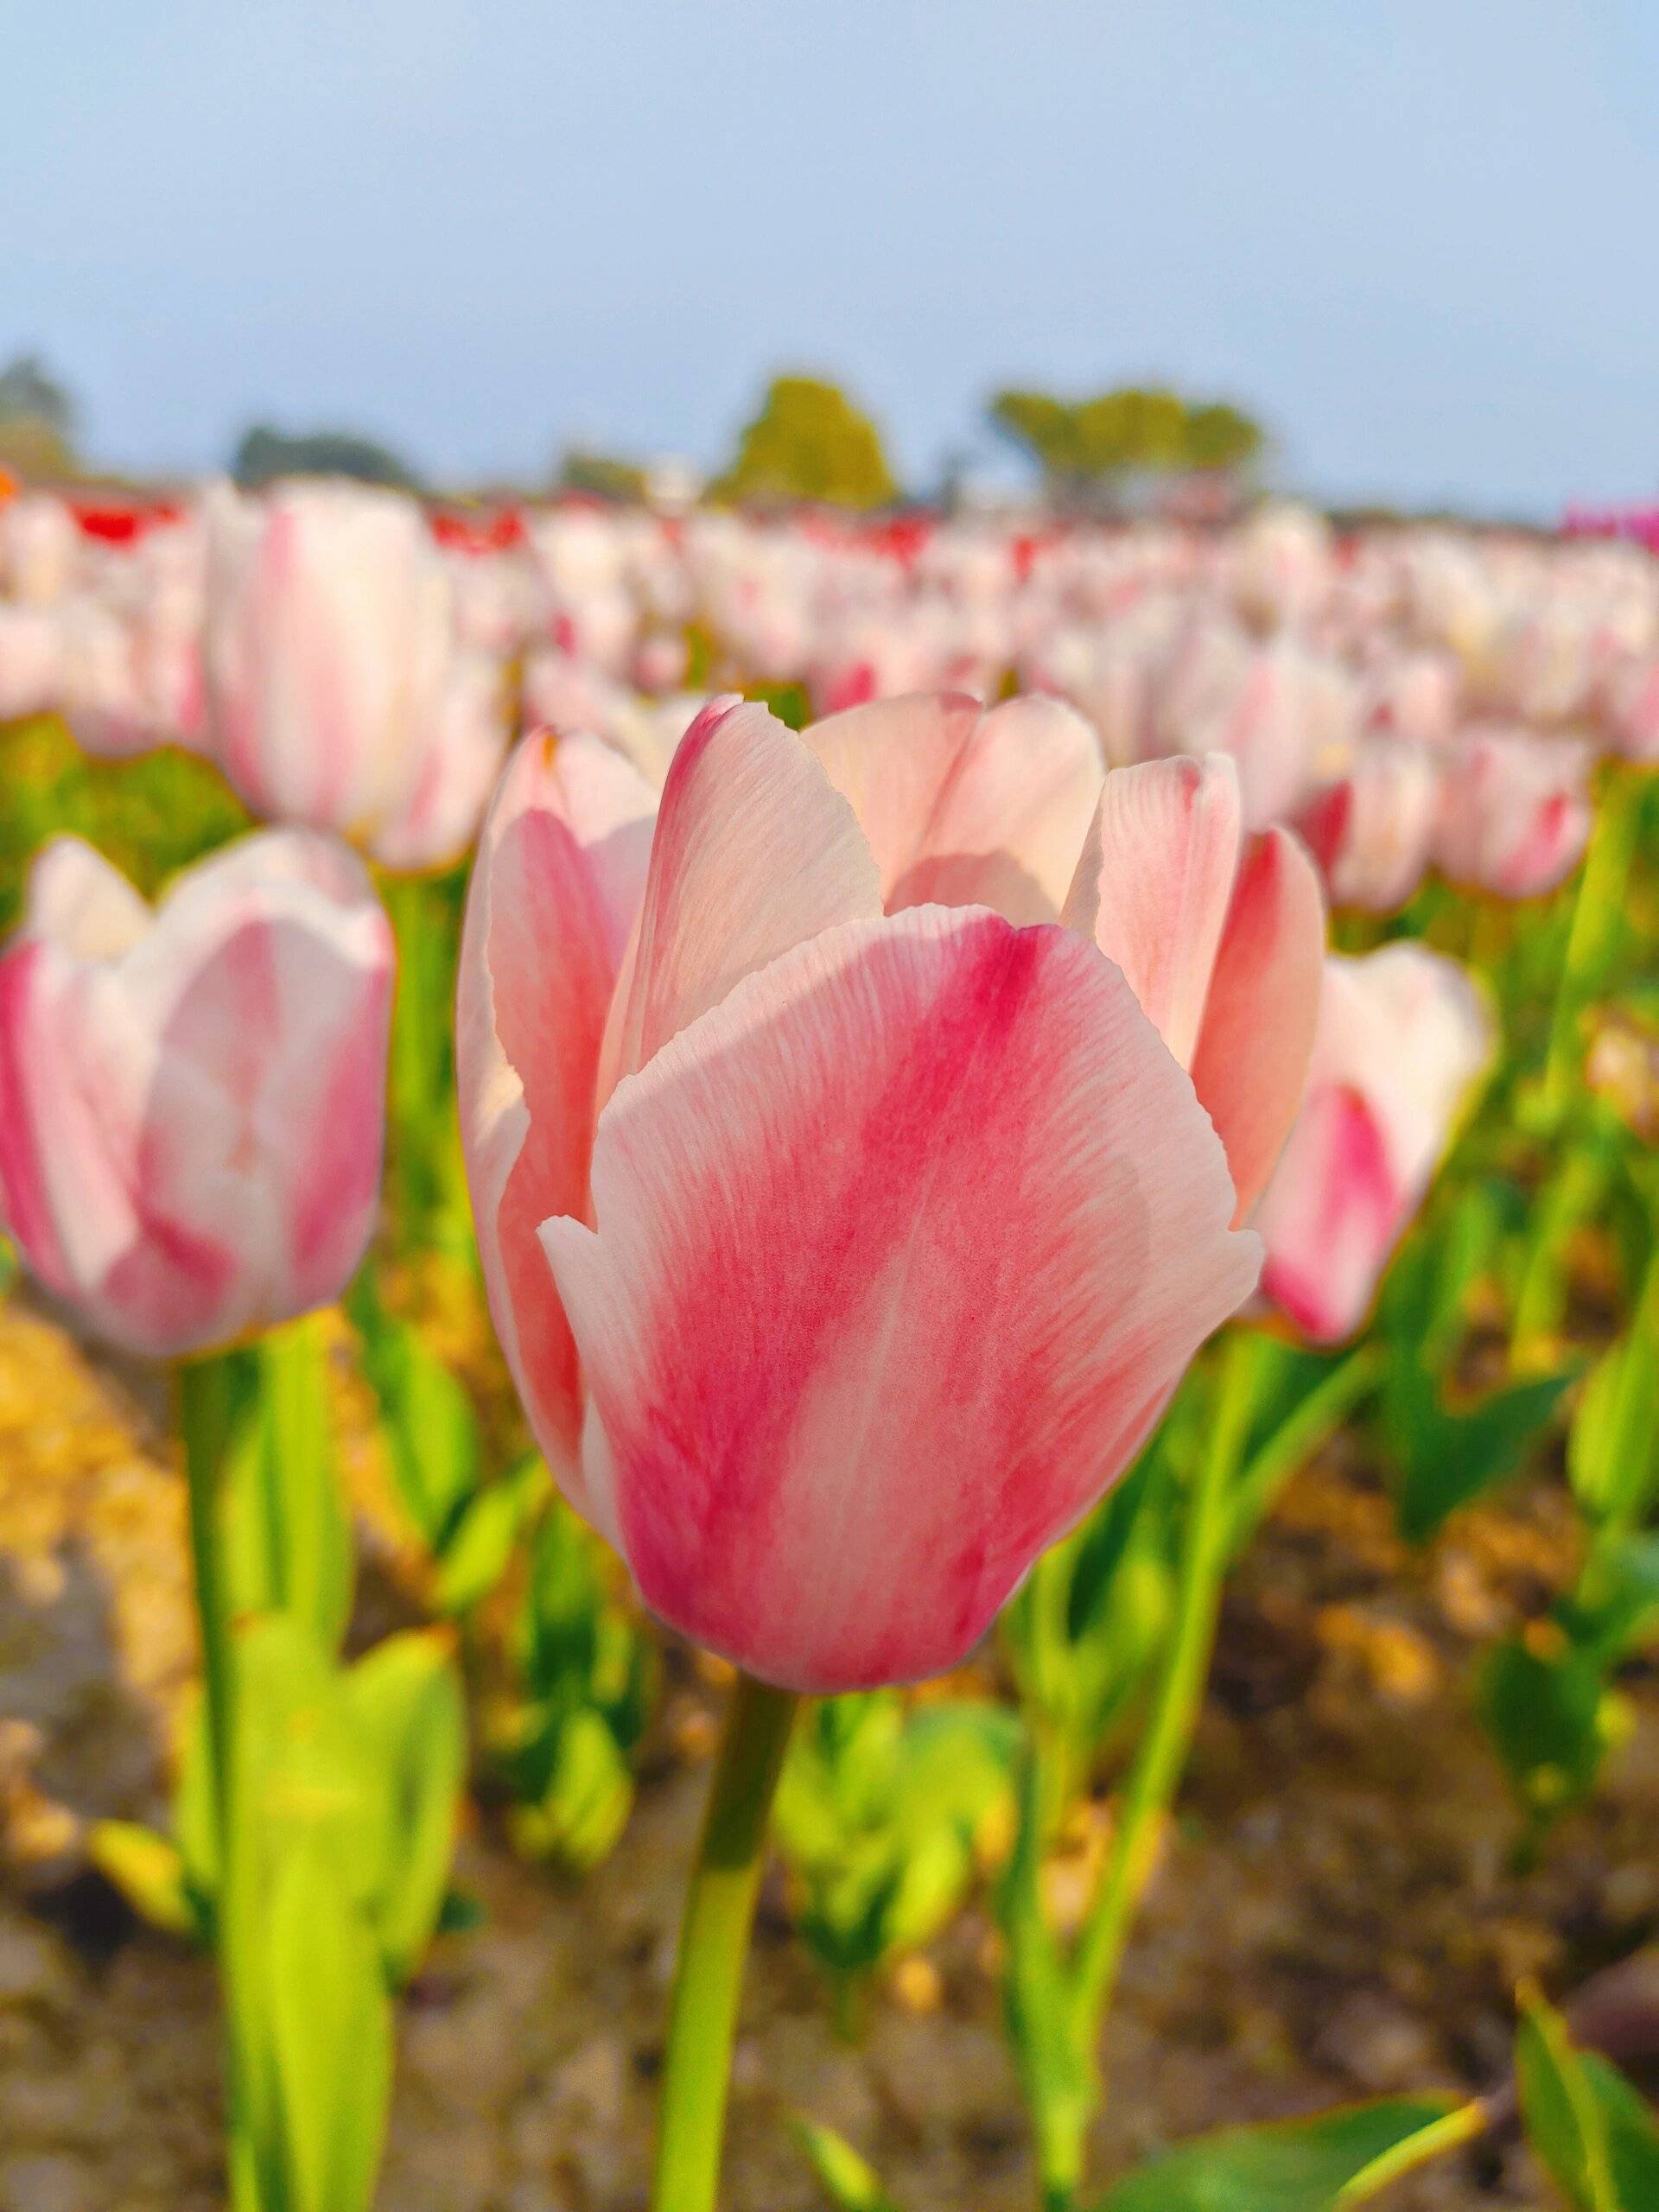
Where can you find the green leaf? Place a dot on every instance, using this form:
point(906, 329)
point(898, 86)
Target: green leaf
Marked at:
point(486, 1535)
point(1544, 1712)
point(850, 2184)
point(1616, 1603)
point(432, 1426)
point(1590, 2128)
point(149, 1873)
point(405, 1697)
point(588, 1797)
point(879, 1814)
point(328, 2035)
point(1613, 1452)
point(1324, 2165)
point(1450, 1458)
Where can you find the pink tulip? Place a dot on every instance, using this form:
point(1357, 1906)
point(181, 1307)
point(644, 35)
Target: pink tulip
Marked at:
point(337, 695)
point(847, 1224)
point(30, 660)
point(1515, 812)
point(1370, 828)
point(191, 1099)
point(1403, 1034)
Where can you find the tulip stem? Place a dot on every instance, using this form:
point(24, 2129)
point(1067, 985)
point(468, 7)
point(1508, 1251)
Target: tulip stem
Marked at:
point(714, 1941)
point(1179, 1694)
point(205, 1414)
point(1598, 916)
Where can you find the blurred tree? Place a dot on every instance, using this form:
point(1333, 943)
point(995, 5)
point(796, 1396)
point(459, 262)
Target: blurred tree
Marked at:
point(604, 475)
point(37, 420)
point(1089, 451)
point(1220, 436)
point(264, 454)
point(809, 441)
point(1045, 429)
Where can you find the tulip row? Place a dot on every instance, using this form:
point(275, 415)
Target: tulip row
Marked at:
point(865, 1127)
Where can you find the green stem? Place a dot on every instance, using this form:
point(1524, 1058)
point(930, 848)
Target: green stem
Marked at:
point(1568, 1200)
point(1162, 1755)
point(205, 1416)
point(206, 1410)
point(1296, 1439)
point(714, 1941)
point(1598, 911)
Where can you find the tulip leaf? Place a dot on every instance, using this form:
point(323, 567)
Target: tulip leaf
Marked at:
point(1590, 2128)
point(429, 1421)
point(328, 2020)
point(1450, 1458)
point(1544, 1710)
point(149, 1873)
point(406, 1698)
point(484, 1536)
point(1324, 2165)
point(849, 2181)
point(1612, 1457)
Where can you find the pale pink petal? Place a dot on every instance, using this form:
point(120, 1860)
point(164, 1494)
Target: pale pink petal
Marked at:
point(963, 807)
point(1153, 884)
point(754, 853)
point(1403, 1034)
point(1330, 1217)
point(1250, 1067)
point(560, 873)
point(901, 1249)
point(80, 901)
point(25, 1202)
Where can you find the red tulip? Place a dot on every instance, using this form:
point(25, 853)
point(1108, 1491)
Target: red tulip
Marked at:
point(845, 1234)
point(191, 1100)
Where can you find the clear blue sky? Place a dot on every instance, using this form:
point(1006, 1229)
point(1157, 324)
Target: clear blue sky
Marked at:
point(1421, 237)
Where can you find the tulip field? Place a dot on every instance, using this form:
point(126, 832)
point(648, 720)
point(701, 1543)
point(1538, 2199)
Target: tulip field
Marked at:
point(829, 1359)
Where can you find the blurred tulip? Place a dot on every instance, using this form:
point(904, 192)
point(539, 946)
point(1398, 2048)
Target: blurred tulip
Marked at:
point(336, 694)
point(1370, 830)
point(191, 1099)
point(1515, 812)
point(39, 546)
point(1282, 566)
point(30, 661)
point(1403, 1034)
point(845, 1244)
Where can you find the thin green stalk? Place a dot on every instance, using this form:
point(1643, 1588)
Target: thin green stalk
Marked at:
point(205, 1416)
point(714, 1942)
point(1569, 1199)
point(206, 1410)
point(1296, 1439)
point(1597, 912)
point(1162, 1755)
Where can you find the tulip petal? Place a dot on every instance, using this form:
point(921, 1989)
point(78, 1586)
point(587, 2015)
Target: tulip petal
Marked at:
point(1154, 881)
point(963, 807)
point(753, 853)
point(560, 873)
point(900, 1250)
point(1338, 1208)
point(81, 902)
point(1250, 1067)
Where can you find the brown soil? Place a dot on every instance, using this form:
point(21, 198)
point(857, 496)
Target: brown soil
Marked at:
point(1332, 1919)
